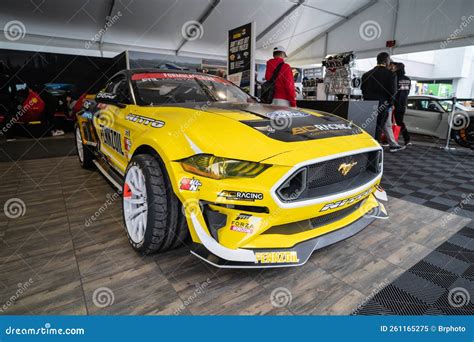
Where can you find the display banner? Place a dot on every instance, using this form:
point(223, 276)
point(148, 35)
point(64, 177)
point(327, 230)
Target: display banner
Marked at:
point(238, 328)
point(241, 57)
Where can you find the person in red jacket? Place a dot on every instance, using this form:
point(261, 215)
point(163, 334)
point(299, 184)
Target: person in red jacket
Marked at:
point(285, 94)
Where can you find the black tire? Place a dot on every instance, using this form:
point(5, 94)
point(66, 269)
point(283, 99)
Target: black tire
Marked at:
point(88, 155)
point(166, 226)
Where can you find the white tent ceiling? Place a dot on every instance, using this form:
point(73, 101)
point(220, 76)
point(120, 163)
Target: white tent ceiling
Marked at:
point(308, 29)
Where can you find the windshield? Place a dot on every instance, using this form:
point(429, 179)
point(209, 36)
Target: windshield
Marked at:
point(167, 88)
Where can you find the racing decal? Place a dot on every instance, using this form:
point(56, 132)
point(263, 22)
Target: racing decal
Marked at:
point(286, 114)
point(244, 223)
point(127, 145)
point(350, 200)
point(112, 139)
point(240, 195)
point(303, 127)
point(153, 76)
point(144, 121)
point(276, 257)
point(189, 184)
point(106, 96)
point(320, 128)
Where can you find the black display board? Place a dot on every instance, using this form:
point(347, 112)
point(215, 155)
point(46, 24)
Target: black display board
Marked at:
point(87, 74)
point(241, 64)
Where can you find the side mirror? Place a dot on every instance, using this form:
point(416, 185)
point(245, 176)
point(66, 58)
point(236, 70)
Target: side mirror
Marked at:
point(108, 98)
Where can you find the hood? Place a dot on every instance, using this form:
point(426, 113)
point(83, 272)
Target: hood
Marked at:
point(257, 132)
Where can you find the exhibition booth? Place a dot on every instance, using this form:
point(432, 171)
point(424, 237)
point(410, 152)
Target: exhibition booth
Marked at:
point(224, 158)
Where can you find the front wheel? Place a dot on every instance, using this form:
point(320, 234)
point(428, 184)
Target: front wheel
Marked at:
point(152, 212)
point(464, 137)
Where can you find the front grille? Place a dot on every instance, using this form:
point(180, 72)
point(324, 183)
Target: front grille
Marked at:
point(328, 177)
point(316, 222)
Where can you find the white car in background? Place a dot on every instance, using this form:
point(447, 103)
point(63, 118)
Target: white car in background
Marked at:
point(429, 115)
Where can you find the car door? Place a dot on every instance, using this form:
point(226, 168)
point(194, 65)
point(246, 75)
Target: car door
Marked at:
point(111, 125)
point(423, 116)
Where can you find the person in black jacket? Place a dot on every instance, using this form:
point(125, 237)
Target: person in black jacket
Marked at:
point(401, 99)
point(379, 84)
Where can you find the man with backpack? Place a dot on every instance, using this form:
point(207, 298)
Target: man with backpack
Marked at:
point(280, 82)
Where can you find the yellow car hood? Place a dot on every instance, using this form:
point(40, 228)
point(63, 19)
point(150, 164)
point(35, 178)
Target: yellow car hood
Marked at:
point(257, 132)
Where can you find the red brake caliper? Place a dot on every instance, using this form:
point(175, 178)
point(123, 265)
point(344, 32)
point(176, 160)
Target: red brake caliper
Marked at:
point(127, 192)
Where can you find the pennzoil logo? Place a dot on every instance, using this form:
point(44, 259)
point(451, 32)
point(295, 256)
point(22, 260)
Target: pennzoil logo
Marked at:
point(338, 204)
point(276, 257)
point(142, 120)
point(240, 195)
point(345, 168)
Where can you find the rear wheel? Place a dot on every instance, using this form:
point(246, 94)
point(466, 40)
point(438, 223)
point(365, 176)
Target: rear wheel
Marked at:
point(84, 153)
point(152, 213)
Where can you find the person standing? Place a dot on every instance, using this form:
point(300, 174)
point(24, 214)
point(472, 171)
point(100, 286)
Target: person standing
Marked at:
point(285, 94)
point(401, 99)
point(379, 84)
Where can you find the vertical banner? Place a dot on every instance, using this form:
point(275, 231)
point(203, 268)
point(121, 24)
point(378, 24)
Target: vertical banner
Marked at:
point(241, 57)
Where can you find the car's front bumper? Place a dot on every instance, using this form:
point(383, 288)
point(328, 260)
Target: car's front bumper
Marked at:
point(216, 254)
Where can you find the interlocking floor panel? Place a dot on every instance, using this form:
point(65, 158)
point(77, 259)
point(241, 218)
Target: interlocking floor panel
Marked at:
point(61, 258)
point(441, 283)
point(432, 177)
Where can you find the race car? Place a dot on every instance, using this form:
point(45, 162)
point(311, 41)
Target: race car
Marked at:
point(254, 185)
point(430, 115)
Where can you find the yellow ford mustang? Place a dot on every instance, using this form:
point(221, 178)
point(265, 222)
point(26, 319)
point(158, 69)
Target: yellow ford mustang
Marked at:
point(254, 185)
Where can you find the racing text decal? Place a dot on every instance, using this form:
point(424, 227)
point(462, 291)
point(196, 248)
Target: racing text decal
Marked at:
point(276, 257)
point(240, 195)
point(337, 204)
point(145, 121)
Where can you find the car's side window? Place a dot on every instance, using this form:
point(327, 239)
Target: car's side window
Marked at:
point(123, 91)
point(423, 105)
point(411, 104)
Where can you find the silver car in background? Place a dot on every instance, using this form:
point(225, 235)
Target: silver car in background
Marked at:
point(429, 115)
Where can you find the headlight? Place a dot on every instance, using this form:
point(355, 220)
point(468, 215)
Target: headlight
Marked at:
point(216, 167)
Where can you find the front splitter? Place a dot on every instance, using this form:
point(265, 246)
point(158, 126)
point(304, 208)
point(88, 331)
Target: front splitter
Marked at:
point(303, 249)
